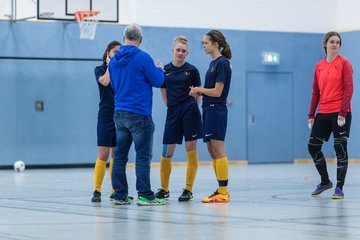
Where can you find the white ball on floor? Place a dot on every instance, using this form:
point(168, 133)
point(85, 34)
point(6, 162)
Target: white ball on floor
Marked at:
point(19, 166)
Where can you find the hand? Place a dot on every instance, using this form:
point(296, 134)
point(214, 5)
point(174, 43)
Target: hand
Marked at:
point(194, 91)
point(341, 121)
point(160, 65)
point(310, 123)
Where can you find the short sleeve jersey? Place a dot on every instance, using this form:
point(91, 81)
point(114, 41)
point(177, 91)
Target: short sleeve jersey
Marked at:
point(178, 81)
point(219, 71)
point(106, 104)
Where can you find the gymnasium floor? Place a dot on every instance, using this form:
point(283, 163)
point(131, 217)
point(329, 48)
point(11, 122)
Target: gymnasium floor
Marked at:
point(269, 201)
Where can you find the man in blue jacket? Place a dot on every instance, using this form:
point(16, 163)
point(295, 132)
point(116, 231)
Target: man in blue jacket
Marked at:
point(133, 74)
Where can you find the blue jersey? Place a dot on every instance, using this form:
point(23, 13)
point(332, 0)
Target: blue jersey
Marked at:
point(178, 81)
point(219, 71)
point(106, 104)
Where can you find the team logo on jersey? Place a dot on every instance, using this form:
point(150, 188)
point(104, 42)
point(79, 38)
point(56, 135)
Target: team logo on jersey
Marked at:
point(186, 73)
point(167, 74)
point(212, 69)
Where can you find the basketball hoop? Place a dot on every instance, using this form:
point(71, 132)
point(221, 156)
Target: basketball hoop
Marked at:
point(87, 23)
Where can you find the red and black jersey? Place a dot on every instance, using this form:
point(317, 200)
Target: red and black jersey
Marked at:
point(332, 87)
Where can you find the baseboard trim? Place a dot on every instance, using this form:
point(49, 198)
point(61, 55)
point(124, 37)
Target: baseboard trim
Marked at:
point(329, 160)
point(129, 165)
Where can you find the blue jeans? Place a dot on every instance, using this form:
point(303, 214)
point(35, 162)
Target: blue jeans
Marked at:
point(131, 127)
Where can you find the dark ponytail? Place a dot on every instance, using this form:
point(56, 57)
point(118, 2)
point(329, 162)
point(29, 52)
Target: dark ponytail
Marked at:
point(224, 47)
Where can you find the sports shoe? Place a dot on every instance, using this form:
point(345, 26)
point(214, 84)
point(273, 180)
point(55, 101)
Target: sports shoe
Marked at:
point(143, 201)
point(162, 194)
point(320, 188)
point(338, 194)
point(217, 197)
point(186, 196)
point(96, 196)
point(127, 201)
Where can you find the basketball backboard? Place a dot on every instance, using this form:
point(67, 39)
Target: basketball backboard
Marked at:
point(17, 9)
point(65, 9)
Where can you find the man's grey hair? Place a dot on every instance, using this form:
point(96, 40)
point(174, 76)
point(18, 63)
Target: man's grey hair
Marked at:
point(133, 32)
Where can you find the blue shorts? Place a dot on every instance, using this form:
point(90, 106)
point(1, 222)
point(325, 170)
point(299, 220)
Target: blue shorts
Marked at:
point(182, 120)
point(214, 122)
point(106, 134)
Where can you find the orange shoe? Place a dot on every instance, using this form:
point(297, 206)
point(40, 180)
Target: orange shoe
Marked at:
point(216, 197)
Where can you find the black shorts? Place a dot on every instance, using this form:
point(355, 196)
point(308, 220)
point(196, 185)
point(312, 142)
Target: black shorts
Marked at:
point(106, 133)
point(215, 122)
point(326, 123)
point(182, 121)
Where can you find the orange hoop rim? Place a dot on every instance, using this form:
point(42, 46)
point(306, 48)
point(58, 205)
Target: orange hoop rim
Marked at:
point(80, 15)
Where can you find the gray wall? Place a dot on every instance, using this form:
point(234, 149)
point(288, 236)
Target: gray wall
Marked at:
point(47, 61)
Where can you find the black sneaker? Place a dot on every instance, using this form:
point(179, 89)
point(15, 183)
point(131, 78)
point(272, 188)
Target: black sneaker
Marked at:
point(185, 196)
point(112, 197)
point(162, 194)
point(96, 196)
point(127, 201)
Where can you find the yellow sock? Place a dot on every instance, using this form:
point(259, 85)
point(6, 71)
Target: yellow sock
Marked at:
point(99, 173)
point(110, 172)
point(222, 169)
point(165, 171)
point(214, 166)
point(192, 166)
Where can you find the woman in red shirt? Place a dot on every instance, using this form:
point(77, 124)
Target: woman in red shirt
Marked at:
point(332, 92)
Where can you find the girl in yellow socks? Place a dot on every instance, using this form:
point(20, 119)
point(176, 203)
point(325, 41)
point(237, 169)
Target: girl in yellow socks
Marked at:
point(215, 92)
point(183, 119)
point(106, 139)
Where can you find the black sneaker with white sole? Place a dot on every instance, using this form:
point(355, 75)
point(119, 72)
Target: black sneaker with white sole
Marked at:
point(96, 196)
point(162, 194)
point(186, 196)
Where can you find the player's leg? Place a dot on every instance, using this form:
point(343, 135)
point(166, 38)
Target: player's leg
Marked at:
point(172, 135)
point(210, 150)
point(165, 170)
point(192, 128)
point(111, 165)
point(104, 144)
point(214, 135)
point(319, 133)
point(341, 135)
point(191, 169)
point(222, 173)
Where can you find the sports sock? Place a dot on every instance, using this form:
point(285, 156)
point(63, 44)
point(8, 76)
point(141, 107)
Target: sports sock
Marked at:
point(99, 173)
point(214, 166)
point(192, 166)
point(320, 164)
point(340, 145)
point(165, 171)
point(110, 172)
point(222, 169)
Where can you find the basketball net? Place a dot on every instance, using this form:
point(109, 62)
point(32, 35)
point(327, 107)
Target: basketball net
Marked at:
point(88, 21)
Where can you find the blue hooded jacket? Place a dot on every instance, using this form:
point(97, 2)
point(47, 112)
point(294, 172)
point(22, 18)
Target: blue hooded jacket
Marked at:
point(132, 76)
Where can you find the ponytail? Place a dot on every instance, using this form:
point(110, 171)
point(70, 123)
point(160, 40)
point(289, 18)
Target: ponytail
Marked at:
point(224, 47)
point(226, 51)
